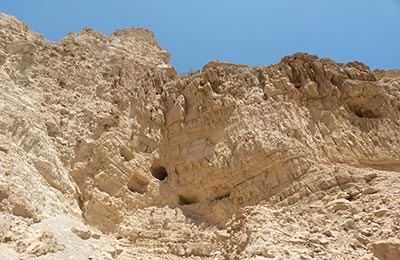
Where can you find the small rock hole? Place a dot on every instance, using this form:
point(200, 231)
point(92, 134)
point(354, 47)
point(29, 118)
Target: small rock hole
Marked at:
point(365, 113)
point(187, 200)
point(359, 113)
point(265, 97)
point(81, 203)
point(351, 198)
point(159, 172)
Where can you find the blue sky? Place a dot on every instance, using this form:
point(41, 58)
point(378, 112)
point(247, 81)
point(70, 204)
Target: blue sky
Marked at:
point(253, 32)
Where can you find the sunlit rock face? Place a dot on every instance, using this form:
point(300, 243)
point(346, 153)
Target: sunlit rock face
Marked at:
point(105, 152)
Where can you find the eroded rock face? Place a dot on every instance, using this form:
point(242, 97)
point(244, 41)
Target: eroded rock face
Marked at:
point(388, 250)
point(100, 135)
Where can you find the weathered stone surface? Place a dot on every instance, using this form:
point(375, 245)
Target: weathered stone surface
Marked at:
point(386, 249)
point(105, 152)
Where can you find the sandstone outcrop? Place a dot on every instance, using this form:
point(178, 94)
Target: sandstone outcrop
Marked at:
point(107, 153)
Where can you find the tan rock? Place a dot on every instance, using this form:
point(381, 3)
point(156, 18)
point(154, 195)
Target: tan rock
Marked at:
point(340, 204)
point(371, 190)
point(230, 162)
point(84, 234)
point(386, 249)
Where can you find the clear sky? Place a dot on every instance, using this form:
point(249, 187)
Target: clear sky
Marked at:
point(253, 32)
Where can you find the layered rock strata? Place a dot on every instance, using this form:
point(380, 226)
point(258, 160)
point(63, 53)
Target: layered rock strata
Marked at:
point(107, 153)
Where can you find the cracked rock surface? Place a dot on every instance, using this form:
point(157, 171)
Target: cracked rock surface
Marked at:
point(107, 153)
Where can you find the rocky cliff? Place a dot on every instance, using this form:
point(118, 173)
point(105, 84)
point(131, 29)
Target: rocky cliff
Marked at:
point(107, 153)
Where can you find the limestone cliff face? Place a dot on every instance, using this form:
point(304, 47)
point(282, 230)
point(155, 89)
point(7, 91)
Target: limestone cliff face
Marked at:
point(107, 152)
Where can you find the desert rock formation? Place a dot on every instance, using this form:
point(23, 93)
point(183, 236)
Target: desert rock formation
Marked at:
point(107, 153)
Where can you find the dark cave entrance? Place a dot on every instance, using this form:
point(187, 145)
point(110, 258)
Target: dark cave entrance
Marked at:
point(159, 172)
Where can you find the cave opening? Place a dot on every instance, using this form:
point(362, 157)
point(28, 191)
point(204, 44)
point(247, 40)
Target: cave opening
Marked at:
point(366, 113)
point(159, 172)
point(363, 112)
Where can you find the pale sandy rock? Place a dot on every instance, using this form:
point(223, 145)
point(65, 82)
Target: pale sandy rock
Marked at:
point(106, 153)
point(8, 253)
